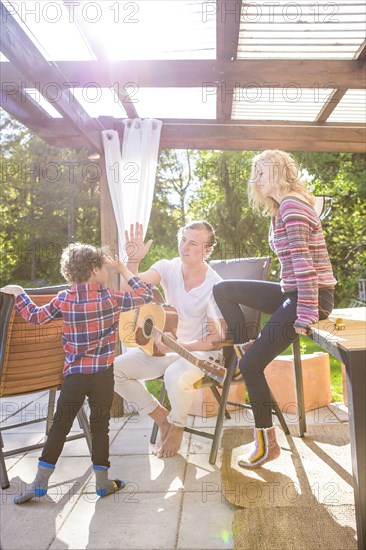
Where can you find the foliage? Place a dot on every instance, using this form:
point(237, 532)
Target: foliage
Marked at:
point(222, 199)
point(342, 177)
point(50, 197)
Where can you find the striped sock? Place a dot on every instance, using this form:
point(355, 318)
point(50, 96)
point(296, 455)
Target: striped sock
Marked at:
point(265, 449)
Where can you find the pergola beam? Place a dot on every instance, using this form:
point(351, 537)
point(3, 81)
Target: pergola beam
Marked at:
point(29, 69)
point(14, 100)
point(277, 73)
point(242, 145)
point(330, 105)
point(227, 37)
point(20, 50)
point(361, 52)
point(335, 137)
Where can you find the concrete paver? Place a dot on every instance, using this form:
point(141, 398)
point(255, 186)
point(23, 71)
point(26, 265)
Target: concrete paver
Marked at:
point(167, 504)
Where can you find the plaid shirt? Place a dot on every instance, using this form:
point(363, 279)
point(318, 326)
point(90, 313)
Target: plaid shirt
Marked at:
point(90, 316)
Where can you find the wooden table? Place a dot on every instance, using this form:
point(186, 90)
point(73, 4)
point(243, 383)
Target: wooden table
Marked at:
point(349, 347)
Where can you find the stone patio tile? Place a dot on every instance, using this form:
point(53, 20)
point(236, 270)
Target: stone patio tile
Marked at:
point(14, 403)
point(201, 475)
point(16, 438)
point(199, 445)
point(36, 426)
point(135, 422)
point(340, 411)
point(149, 474)
point(14, 413)
point(127, 442)
point(239, 418)
point(145, 520)
point(35, 524)
point(206, 522)
point(323, 415)
point(323, 462)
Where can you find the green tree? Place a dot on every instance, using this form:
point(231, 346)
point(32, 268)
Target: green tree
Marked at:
point(222, 199)
point(342, 177)
point(49, 197)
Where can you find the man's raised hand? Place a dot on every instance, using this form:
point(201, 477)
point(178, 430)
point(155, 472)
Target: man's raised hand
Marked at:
point(135, 247)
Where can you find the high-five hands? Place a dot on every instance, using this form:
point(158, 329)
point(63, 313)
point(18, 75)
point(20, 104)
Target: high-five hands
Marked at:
point(135, 247)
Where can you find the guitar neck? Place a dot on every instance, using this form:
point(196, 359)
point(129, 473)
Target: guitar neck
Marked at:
point(217, 372)
point(174, 346)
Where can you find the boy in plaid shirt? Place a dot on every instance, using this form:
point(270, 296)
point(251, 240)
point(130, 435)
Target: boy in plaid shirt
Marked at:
point(90, 313)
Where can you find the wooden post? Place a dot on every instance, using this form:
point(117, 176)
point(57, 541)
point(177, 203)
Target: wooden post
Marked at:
point(108, 226)
point(109, 236)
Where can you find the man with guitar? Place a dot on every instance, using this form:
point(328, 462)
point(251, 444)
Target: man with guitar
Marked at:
point(187, 282)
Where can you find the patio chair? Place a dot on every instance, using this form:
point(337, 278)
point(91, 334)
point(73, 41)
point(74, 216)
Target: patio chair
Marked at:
point(252, 269)
point(32, 360)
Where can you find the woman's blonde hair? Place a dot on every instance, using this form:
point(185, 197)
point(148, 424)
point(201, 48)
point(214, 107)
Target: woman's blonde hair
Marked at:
point(284, 175)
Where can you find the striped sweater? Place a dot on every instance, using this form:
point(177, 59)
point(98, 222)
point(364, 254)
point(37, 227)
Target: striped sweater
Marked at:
point(296, 237)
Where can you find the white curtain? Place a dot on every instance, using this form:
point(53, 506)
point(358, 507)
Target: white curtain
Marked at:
point(131, 172)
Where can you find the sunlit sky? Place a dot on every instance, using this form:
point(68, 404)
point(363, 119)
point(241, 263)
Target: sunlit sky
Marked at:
point(186, 29)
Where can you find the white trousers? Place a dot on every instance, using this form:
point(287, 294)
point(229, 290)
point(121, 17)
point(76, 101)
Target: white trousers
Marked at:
point(132, 368)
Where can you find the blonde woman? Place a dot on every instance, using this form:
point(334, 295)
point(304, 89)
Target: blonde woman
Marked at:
point(304, 294)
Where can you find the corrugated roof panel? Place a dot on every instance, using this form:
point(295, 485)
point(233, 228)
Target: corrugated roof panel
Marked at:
point(183, 103)
point(99, 101)
point(301, 29)
point(291, 103)
point(351, 108)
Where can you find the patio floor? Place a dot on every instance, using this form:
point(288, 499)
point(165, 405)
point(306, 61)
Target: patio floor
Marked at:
point(175, 503)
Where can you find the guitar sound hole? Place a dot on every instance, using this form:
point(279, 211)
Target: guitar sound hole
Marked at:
point(148, 326)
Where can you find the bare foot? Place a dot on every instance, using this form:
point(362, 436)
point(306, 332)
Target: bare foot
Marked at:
point(171, 443)
point(163, 432)
point(160, 416)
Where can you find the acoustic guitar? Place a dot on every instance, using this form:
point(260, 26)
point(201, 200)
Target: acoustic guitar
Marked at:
point(138, 327)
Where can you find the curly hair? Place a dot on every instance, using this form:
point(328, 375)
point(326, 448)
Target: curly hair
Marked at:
point(285, 174)
point(78, 261)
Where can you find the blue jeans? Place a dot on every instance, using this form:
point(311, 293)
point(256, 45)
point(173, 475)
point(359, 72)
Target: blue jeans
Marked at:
point(273, 339)
point(98, 387)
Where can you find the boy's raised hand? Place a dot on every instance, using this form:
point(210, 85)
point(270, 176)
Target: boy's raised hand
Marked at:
point(12, 289)
point(119, 266)
point(113, 262)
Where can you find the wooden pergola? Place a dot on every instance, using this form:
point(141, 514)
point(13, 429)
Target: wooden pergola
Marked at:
point(230, 72)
